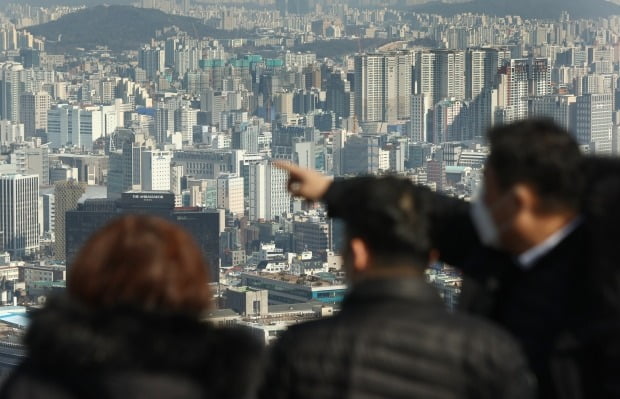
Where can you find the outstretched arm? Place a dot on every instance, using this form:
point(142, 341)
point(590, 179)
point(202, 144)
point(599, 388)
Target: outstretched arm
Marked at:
point(453, 233)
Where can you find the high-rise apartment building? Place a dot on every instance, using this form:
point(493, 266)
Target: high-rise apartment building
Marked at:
point(11, 88)
point(419, 130)
point(152, 60)
point(383, 86)
point(33, 112)
point(524, 78)
point(481, 68)
point(440, 74)
point(19, 214)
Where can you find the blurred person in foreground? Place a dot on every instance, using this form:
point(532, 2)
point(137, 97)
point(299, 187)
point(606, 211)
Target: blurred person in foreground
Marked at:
point(524, 245)
point(394, 338)
point(130, 325)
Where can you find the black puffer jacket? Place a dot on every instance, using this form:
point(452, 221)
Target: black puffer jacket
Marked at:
point(393, 339)
point(129, 353)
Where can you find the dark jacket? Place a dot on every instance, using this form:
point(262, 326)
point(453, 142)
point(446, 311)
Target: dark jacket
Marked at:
point(130, 353)
point(548, 308)
point(394, 339)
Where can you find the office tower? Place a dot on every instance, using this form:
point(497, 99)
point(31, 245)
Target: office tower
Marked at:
point(269, 197)
point(125, 170)
point(66, 197)
point(155, 170)
point(11, 132)
point(230, 194)
point(361, 155)
point(560, 108)
point(383, 86)
point(419, 129)
point(594, 121)
point(49, 213)
point(33, 112)
point(73, 126)
point(205, 164)
point(19, 214)
point(12, 86)
point(204, 226)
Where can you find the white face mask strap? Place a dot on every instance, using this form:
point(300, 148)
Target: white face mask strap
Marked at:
point(482, 220)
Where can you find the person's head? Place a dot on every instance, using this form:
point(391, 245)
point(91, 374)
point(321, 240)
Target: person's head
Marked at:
point(144, 262)
point(388, 229)
point(532, 182)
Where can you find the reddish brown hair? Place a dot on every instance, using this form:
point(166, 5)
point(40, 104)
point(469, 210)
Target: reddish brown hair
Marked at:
point(141, 261)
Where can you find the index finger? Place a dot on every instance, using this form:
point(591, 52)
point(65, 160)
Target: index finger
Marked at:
point(287, 166)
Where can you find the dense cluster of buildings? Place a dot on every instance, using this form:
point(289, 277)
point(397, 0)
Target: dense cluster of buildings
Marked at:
point(186, 128)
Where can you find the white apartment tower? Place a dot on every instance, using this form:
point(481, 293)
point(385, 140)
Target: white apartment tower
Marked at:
point(383, 85)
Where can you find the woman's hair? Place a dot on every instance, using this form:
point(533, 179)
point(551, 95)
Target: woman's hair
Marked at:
point(141, 261)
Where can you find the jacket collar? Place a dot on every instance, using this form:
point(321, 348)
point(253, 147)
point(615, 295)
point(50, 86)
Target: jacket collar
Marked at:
point(411, 289)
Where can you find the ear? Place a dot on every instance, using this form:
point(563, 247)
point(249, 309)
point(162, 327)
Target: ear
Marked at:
point(526, 196)
point(360, 255)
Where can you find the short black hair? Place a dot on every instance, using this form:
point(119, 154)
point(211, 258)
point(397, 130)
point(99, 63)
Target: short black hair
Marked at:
point(391, 215)
point(542, 154)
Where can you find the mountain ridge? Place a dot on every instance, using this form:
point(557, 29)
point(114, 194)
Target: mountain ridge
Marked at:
point(118, 27)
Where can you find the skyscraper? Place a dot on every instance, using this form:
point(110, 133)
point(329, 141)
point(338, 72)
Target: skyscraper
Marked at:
point(11, 88)
point(155, 170)
point(440, 74)
point(594, 123)
point(19, 213)
point(66, 196)
point(481, 68)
